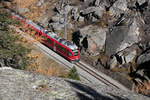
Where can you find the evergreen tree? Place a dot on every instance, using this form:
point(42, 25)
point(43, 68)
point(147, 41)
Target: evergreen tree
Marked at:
point(73, 74)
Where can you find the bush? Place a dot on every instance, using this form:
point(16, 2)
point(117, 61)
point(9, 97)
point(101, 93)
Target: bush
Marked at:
point(73, 74)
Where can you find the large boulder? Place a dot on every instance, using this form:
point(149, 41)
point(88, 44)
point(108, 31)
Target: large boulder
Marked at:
point(114, 39)
point(99, 12)
point(124, 36)
point(56, 26)
point(133, 35)
point(141, 1)
point(120, 6)
point(96, 37)
point(44, 20)
point(62, 16)
point(97, 2)
point(75, 13)
point(125, 57)
point(93, 11)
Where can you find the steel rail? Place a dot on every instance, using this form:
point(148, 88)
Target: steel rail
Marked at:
point(94, 74)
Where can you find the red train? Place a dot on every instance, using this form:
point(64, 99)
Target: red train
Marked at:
point(64, 47)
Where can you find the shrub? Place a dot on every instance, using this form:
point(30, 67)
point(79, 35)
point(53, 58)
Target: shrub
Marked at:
point(73, 74)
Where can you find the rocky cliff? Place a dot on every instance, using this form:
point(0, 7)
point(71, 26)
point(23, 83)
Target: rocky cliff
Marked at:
point(22, 85)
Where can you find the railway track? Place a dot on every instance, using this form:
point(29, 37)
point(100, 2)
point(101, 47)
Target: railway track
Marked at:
point(97, 76)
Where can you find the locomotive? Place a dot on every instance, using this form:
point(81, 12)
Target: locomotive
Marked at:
point(60, 45)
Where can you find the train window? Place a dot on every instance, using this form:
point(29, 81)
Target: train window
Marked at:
point(75, 52)
point(64, 49)
point(44, 37)
point(46, 31)
point(61, 48)
point(69, 53)
point(49, 40)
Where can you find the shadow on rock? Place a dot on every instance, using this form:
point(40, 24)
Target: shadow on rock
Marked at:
point(87, 93)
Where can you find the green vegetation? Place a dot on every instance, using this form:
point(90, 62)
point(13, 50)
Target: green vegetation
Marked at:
point(12, 53)
point(73, 74)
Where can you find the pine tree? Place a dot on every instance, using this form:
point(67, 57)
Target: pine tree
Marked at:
point(73, 74)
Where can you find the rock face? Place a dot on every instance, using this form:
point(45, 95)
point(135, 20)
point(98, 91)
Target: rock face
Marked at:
point(120, 6)
point(97, 11)
point(21, 85)
point(96, 37)
point(126, 36)
point(127, 56)
point(145, 57)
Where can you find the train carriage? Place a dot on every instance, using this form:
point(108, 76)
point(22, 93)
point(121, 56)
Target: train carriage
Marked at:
point(64, 47)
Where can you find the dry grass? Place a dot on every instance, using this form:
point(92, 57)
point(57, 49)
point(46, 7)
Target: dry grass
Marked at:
point(104, 58)
point(122, 69)
point(24, 3)
point(52, 71)
point(42, 64)
point(35, 11)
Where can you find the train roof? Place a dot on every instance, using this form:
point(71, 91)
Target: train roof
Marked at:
point(35, 25)
point(19, 16)
point(62, 40)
